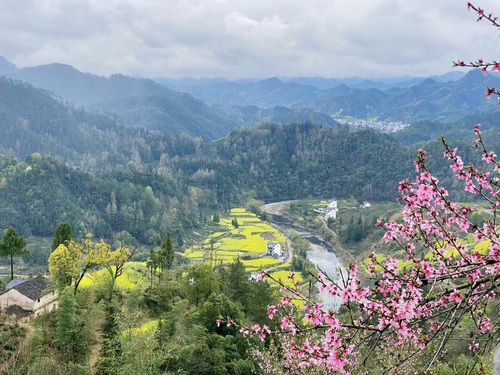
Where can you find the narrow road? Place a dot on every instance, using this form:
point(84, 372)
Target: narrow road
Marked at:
point(277, 208)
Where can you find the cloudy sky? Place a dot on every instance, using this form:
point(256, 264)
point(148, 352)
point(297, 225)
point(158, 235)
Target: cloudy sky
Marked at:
point(247, 38)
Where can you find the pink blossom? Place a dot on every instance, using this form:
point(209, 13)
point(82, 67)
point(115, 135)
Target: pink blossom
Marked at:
point(271, 312)
point(489, 157)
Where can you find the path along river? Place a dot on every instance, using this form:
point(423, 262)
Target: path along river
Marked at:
point(321, 255)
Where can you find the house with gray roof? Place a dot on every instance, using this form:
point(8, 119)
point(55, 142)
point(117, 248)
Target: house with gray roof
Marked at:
point(14, 282)
point(31, 296)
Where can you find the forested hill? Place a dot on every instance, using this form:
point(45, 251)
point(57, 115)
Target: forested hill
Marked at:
point(297, 161)
point(187, 180)
point(141, 102)
point(41, 192)
point(32, 121)
point(178, 191)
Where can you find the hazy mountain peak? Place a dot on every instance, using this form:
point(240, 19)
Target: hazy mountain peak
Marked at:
point(271, 82)
point(475, 77)
point(6, 66)
point(428, 82)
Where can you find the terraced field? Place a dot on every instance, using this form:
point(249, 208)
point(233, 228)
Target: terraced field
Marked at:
point(248, 242)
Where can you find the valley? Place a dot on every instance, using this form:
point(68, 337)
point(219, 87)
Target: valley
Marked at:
point(178, 193)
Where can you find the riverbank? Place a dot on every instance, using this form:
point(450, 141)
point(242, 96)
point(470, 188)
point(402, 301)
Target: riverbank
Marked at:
point(321, 253)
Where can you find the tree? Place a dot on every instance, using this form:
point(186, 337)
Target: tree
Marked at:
point(217, 306)
point(235, 282)
point(66, 323)
point(62, 235)
point(12, 245)
point(153, 263)
point(64, 264)
point(180, 241)
point(216, 218)
point(113, 261)
point(235, 223)
point(415, 303)
point(71, 261)
point(199, 282)
point(167, 253)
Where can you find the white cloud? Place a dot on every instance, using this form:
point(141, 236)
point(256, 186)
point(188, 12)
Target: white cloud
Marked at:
point(243, 38)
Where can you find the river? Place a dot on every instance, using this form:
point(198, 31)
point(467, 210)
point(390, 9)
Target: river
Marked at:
point(321, 254)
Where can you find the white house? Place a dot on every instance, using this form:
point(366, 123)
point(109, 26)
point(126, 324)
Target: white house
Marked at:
point(332, 205)
point(273, 249)
point(331, 210)
point(30, 296)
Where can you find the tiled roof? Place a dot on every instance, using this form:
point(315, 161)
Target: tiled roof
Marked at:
point(33, 288)
point(14, 282)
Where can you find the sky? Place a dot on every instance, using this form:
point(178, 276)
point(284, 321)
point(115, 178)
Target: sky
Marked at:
point(239, 39)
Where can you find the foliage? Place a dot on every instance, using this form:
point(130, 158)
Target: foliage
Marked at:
point(166, 253)
point(11, 335)
point(276, 162)
point(199, 283)
point(62, 235)
point(70, 263)
point(66, 328)
point(12, 245)
point(64, 265)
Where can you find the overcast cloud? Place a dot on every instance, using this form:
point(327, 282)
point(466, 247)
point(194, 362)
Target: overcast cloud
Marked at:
point(247, 38)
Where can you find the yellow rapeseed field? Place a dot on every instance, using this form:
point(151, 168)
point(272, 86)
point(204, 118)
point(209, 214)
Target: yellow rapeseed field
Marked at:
point(248, 242)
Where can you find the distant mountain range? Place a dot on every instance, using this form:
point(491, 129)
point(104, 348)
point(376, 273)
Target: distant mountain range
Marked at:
point(442, 97)
point(145, 103)
point(141, 102)
point(211, 108)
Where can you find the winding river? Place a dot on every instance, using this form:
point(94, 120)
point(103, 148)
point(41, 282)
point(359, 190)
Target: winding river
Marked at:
point(321, 254)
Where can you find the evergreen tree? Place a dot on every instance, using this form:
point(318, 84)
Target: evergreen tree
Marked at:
point(180, 241)
point(216, 218)
point(12, 245)
point(65, 324)
point(235, 223)
point(236, 282)
point(167, 253)
point(111, 350)
point(62, 235)
point(199, 282)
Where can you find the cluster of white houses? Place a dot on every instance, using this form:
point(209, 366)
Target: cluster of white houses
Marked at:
point(28, 297)
point(330, 211)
